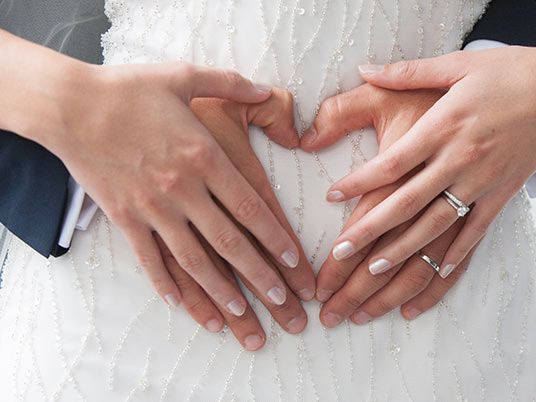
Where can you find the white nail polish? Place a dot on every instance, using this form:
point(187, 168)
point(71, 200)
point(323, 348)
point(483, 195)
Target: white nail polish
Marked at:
point(379, 266)
point(276, 295)
point(335, 196)
point(290, 259)
point(213, 325)
point(371, 68)
point(236, 308)
point(343, 250)
point(172, 300)
point(262, 87)
point(446, 270)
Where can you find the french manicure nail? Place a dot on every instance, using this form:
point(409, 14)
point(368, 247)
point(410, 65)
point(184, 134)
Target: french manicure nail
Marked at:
point(413, 313)
point(379, 266)
point(446, 270)
point(277, 295)
point(236, 308)
point(343, 250)
point(335, 196)
point(296, 325)
point(172, 300)
point(262, 87)
point(332, 320)
point(253, 342)
point(323, 295)
point(371, 68)
point(361, 318)
point(306, 294)
point(290, 259)
point(309, 136)
point(213, 325)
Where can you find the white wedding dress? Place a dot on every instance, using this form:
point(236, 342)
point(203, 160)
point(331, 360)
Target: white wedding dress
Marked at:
point(89, 327)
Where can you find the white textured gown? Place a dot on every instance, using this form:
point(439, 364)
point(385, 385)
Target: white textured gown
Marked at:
point(89, 327)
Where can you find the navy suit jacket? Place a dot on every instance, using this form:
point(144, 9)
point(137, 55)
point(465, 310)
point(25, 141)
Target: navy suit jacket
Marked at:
point(33, 182)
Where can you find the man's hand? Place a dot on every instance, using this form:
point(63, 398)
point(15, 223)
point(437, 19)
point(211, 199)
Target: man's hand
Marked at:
point(347, 286)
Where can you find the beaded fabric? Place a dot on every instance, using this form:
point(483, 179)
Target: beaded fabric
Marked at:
point(89, 327)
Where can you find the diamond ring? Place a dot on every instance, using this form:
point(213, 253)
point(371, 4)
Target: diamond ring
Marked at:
point(459, 206)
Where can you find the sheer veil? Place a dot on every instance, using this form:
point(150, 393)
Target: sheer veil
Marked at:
point(72, 27)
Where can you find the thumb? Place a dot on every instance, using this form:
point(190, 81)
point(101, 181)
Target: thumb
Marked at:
point(339, 115)
point(276, 117)
point(225, 84)
point(437, 72)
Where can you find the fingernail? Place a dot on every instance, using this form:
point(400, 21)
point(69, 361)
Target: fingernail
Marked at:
point(277, 296)
point(361, 318)
point(323, 295)
point(306, 294)
point(309, 136)
point(213, 325)
point(379, 266)
point(413, 313)
point(290, 259)
point(253, 342)
point(332, 320)
point(343, 250)
point(236, 308)
point(446, 270)
point(335, 196)
point(371, 68)
point(296, 325)
point(172, 300)
point(262, 87)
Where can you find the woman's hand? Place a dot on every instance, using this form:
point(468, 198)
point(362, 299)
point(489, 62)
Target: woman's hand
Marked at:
point(127, 135)
point(347, 287)
point(228, 122)
point(478, 142)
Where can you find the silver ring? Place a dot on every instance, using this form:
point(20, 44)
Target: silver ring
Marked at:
point(430, 262)
point(461, 208)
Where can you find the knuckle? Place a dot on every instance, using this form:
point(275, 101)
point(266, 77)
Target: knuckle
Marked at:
point(440, 221)
point(201, 155)
point(191, 260)
point(196, 306)
point(390, 167)
point(406, 69)
point(472, 154)
point(366, 234)
point(352, 302)
point(409, 203)
point(417, 281)
point(384, 305)
point(233, 78)
point(171, 182)
point(228, 243)
point(248, 208)
point(331, 108)
point(120, 214)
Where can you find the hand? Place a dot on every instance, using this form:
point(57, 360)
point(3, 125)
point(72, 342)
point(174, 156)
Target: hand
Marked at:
point(477, 142)
point(347, 287)
point(228, 122)
point(134, 145)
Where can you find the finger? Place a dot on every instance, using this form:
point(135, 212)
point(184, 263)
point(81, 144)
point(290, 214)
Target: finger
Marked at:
point(478, 222)
point(276, 117)
point(194, 298)
point(399, 207)
point(231, 244)
point(358, 288)
point(239, 198)
point(410, 151)
point(413, 278)
point(435, 291)
point(437, 219)
point(150, 259)
point(226, 84)
point(192, 257)
point(339, 115)
point(246, 328)
point(437, 72)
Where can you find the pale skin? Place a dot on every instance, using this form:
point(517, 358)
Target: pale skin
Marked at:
point(128, 136)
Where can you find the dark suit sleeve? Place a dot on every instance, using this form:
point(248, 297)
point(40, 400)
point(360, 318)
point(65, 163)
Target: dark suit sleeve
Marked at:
point(509, 21)
point(33, 192)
